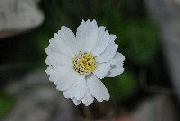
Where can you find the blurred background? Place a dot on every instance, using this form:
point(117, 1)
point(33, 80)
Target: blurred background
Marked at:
point(148, 34)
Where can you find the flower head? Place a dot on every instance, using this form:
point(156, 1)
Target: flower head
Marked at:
point(77, 63)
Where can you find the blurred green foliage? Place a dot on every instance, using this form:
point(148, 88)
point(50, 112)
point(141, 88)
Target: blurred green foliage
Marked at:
point(121, 87)
point(141, 41)
point(6, 104)
point(137, 36)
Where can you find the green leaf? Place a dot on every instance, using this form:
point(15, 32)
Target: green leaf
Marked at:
point(6, 104)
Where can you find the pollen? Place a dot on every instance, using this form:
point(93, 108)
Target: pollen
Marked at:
point(84, 63)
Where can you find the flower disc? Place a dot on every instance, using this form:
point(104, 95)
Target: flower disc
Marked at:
point(84, 63)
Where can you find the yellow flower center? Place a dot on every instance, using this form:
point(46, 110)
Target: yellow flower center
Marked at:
point(84, 63)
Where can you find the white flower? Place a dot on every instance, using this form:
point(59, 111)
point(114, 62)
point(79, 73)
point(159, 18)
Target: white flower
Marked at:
point(77, 63)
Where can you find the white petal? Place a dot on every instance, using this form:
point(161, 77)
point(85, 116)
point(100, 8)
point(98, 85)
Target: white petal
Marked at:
point(56, 73)
point(117, 65)
point(77, 91)
point(49, 70)
point(87, 99)
point(103, 41)
point(68, 81)
point(76, 102)
point(63, 43)
point(97, 89)
point(118, 59)
point(87, 34)
point(63, 77)
point(116, 71)
point(58, 60)
point(102, 70)
point(109, 53)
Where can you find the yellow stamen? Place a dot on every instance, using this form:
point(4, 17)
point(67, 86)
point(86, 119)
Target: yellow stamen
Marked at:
point(84, 63)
